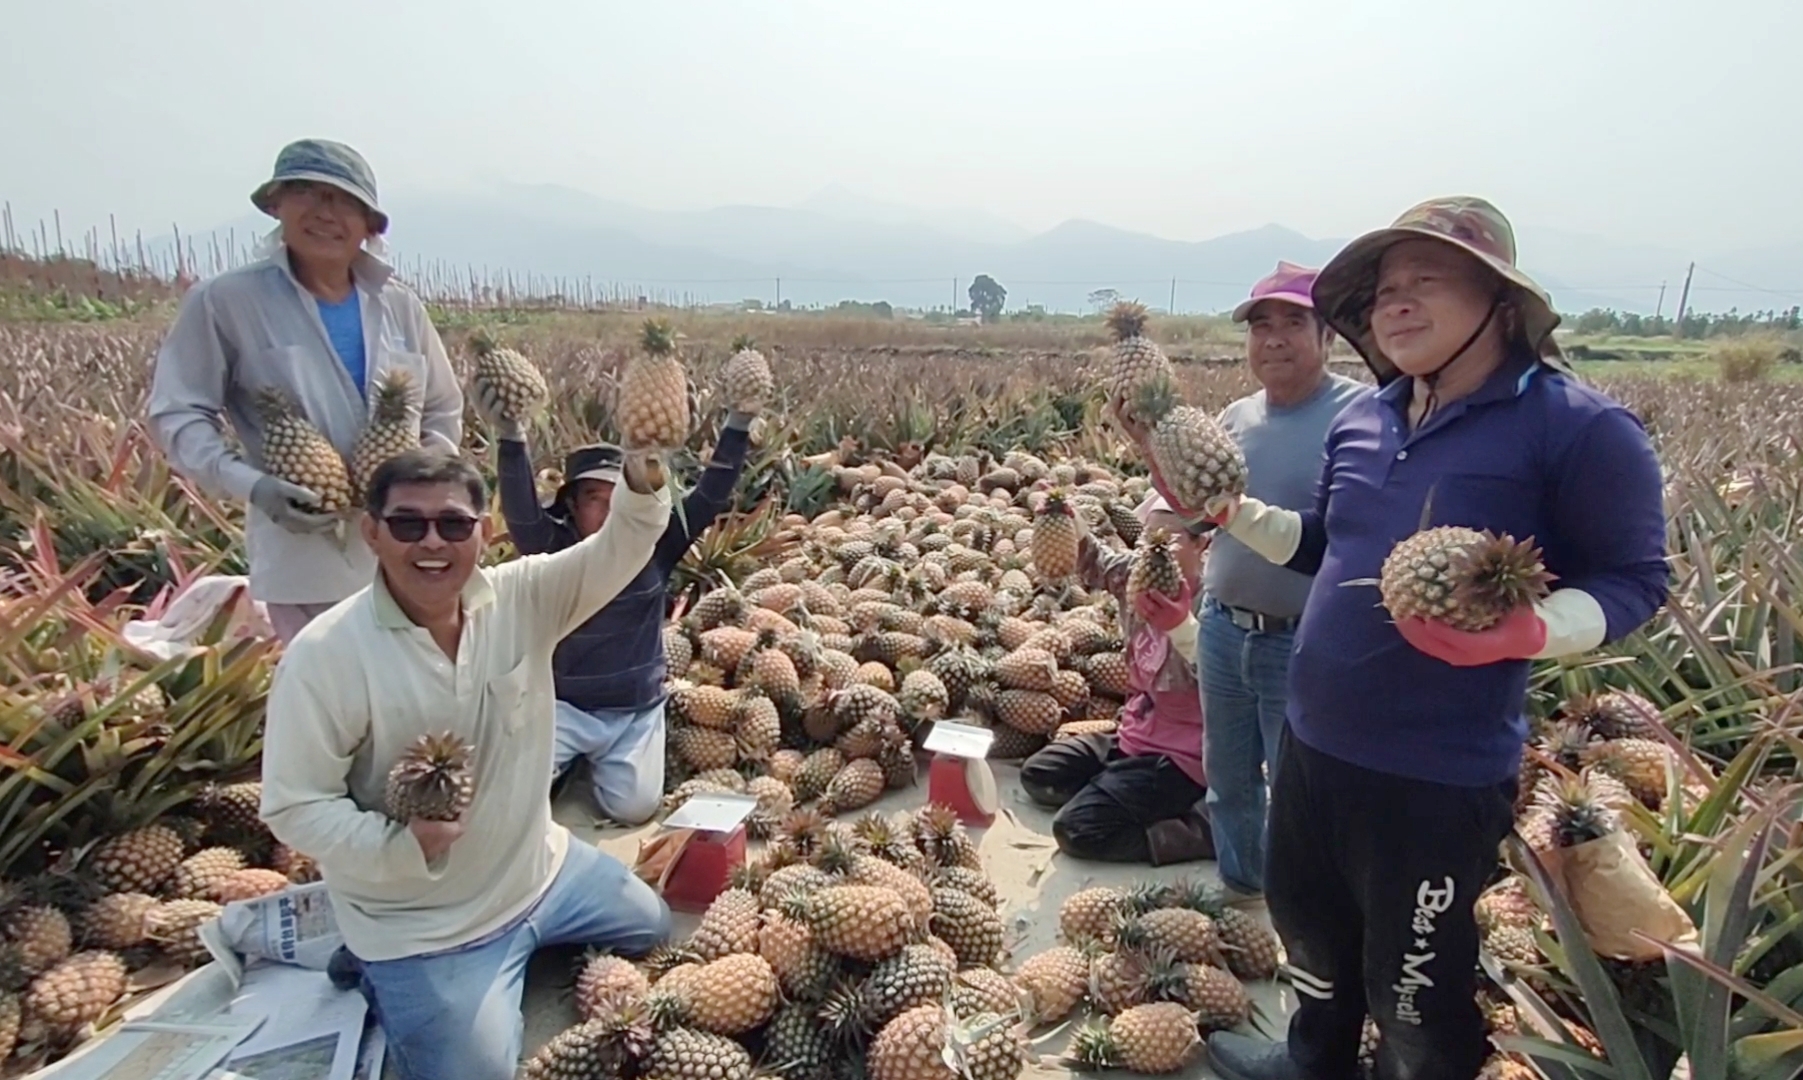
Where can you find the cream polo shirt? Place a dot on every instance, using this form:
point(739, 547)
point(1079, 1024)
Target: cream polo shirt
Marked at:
point(362, 681)
point(256, 326)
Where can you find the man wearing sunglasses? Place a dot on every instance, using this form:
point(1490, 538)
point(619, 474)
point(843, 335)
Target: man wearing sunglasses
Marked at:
point(440, 918)
point(610, 670)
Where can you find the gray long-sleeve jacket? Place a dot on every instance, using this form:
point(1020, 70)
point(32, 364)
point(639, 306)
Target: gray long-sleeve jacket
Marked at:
point(254, 327)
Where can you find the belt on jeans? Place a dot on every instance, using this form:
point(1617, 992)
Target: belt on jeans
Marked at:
point(1257, 621)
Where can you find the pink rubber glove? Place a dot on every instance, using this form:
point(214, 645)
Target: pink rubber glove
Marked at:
point(1163, 613)
point(1519, 636)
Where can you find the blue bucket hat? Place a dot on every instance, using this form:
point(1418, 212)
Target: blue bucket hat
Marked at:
point(326, 162)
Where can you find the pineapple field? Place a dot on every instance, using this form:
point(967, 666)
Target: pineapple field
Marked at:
point(902, 551)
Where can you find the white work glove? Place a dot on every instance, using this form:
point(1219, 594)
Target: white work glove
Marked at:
point(278, 498)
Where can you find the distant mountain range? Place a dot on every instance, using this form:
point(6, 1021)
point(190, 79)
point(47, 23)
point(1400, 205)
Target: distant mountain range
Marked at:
point(838, 245)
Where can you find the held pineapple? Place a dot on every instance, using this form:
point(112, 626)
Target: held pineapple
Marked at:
point(746, 379)
point(433, 779)
point(1138, 361)
point(653, 411)
point(295, 451)
point(1467, 579)
point(1056, 538)
point(1154, 567)
point(393, 427)
point(508, 386)
point(1193, 454)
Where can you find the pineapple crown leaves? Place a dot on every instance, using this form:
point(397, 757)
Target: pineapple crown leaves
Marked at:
point(743, 343)
point(1127, 319)
point(658, 337)
point(1156, 399)
point(1501, 573)
point(483, 342)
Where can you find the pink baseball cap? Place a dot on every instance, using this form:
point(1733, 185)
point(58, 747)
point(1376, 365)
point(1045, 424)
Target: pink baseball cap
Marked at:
point(1290, 283)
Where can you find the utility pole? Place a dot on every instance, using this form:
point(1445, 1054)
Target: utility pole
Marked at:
point(1659, 309)
point(1173, 308)
point(779, 292)
point(954, 298)
point(1683, 300)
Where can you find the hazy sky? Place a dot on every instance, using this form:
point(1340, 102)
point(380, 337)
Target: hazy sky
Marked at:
point(1654, 121)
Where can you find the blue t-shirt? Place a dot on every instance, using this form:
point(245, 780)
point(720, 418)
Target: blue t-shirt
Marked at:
point(344, 325)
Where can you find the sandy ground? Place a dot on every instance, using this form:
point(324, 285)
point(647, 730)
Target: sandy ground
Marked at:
point(1030, 875)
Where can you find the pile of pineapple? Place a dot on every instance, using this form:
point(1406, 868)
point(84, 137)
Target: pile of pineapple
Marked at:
point(876, 944)
point(73, 937)
point(946, 591)
point(1159, 966)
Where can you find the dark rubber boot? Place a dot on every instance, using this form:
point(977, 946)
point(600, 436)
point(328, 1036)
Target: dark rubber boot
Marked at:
point(1180, 839)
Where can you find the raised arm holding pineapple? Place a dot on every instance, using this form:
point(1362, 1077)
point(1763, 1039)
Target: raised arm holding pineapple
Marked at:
point(609, 672)
point(409, 747)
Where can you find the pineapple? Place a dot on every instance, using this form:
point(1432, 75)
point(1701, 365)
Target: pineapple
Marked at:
point(39, 936)
point(1125, 521)
point(706, 706)
point(686, 1054)
point(1467, 579)
point(295, 451)
point(1154, 567)
point(746, 379)
point(967, 880)
point(1643, 765)
point(758, 731)
point(590, 1050)
point(1088, 915)
point(653, 408)
point(730, 925)
point(393, 427)
point(508, 386)
point(860, 921)
point(1057, 980)
point(247, 884)
point(923, 696)
point(980, 990)
point(605, 981)
point(1138, 361)
point(855, 786)
point(11, 1016)
point(796, 1046)
point(917, 1045)
point(943, 838)
point(1615, 714)
point(1155, 1038)
point(1215, 996)
point(174, 925)
point(233, 813)
point(704, 748)
point(971, 927)
point(918, 975)
point(1188, 934)
point(1194, 456)
point(1119, 980)
point(1248, 943)
point(433, 780)
point(139, 861)
point(72, 995)
point(1027, 668)
point(1579, 814)
point(116, 921)
point(734, 994)
point(1031, 712)
point(1055, 538)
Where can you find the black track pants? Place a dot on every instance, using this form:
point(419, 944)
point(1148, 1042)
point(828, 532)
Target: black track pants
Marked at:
point(1106, 799)
point(1371, 881)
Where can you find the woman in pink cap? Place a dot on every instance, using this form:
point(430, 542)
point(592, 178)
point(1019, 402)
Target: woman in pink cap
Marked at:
point(1137, 795)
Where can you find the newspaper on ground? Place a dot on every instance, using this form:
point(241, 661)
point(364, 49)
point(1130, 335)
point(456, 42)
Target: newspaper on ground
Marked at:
point(295, 926)
point(153, 1050)
point(310, 1029)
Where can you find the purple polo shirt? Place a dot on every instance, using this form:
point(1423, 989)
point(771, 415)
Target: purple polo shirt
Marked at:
point(1531, 453)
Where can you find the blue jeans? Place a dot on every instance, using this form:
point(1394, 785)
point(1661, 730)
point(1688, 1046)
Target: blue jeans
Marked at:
point(457, 1013)
point(625, 752)
point(1244, 676)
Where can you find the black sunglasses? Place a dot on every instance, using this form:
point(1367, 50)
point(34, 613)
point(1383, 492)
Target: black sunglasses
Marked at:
point(411, 528)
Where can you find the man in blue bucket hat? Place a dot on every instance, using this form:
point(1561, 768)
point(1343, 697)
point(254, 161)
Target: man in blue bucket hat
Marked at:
point(320, 316)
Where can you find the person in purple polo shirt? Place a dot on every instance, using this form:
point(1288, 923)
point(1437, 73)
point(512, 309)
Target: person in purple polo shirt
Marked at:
point(1399, 763)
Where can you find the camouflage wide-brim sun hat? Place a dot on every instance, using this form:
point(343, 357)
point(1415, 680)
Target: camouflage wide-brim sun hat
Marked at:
point(326, 162)
point(1346, 289)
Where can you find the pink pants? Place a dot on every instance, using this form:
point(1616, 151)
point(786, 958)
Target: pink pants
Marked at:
point(288, 619)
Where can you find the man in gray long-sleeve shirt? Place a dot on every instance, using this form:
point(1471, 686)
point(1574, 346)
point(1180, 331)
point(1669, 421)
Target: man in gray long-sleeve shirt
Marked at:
point(322, 319)
point(1250, 605)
